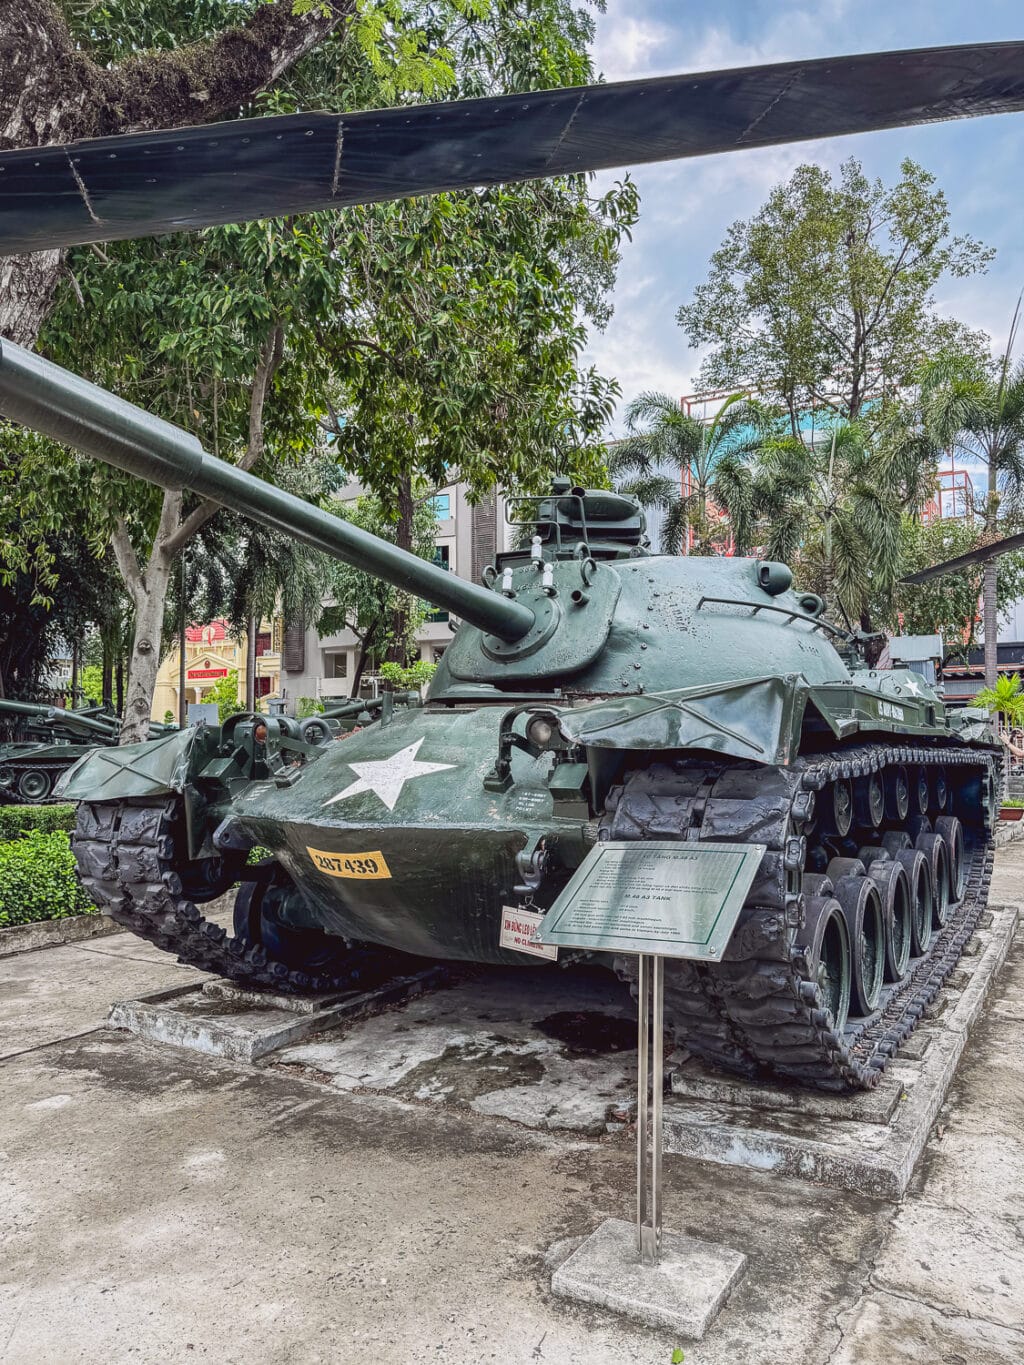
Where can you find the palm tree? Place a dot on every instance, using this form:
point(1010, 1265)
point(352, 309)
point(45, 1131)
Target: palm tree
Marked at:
point(661, 437)
point(832, 506)
point(977, 410)
point(1005, 698)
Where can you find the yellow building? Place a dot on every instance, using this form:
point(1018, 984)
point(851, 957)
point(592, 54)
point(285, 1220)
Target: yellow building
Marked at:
point(212, 655)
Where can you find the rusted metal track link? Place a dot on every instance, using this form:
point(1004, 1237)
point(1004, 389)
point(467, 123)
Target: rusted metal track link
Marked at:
point(758, 1011)
point(126, 858)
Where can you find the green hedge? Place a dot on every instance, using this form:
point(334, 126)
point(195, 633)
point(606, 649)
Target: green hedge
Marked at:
point(38, 879)
point(16, 821)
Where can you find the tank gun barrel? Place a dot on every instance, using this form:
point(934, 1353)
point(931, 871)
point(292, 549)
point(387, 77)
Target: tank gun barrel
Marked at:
point(69, 409)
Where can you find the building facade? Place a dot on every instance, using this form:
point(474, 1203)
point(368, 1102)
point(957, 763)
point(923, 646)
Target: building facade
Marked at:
point(211, 655)
point(322, 668)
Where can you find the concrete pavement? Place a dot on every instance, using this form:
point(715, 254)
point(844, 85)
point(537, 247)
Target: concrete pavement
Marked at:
point(158, 1206)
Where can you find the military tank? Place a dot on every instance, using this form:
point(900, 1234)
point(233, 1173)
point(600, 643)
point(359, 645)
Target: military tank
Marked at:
point(46, 741)
point(592, 690)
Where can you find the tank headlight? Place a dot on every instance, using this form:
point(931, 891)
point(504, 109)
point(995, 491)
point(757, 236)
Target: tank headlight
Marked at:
point(540, 732)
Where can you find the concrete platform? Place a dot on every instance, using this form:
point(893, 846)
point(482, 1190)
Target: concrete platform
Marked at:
point(869, 1143)
point(684, 1293)
point(243, 1026)
point(548, 1049)
point(53, 933)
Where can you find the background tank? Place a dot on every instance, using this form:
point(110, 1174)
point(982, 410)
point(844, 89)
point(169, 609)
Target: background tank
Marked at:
point(591, 691)
point(40, 743)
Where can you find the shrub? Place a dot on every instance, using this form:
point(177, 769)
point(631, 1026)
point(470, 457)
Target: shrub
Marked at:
point(38, 880)
point(308, 706)
point(411, 678)
point(16, 821)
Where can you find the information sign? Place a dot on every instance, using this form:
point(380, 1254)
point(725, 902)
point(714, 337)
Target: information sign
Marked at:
point(663, 897)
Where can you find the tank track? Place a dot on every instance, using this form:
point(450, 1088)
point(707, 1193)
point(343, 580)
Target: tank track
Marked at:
point(126, 860)
point(757, 1012)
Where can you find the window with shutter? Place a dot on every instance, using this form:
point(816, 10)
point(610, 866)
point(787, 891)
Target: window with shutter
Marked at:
point(294, 652)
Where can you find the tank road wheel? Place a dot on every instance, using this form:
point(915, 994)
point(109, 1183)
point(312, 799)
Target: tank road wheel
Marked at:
point(34, 785)
point(894, 889)
point(940, 792)
point(862, 907)
point(897, 795)
point(838, 813)
point(950, 831)
point(919, 883)
point(825, 944)
point(934, 849)
point(869, 801)
point(258, 921)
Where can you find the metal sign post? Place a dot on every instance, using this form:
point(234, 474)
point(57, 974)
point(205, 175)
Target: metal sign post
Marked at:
point(650, 1069)
point(653, 899)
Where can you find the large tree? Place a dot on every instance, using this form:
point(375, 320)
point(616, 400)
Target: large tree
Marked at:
point(825, 298)
point(660, 438)
point(428, 337)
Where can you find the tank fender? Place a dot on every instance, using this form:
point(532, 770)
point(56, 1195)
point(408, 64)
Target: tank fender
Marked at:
point(153, 768)
point(758, 719)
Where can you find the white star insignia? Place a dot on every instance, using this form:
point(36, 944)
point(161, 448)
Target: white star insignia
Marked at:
point(386, 777)
point(912, 687)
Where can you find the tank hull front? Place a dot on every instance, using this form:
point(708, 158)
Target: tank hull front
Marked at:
point(393, 839)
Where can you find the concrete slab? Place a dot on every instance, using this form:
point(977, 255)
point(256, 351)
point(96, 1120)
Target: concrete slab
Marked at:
point(50, 995)
point(868, 1143)
point(888, 1330)
point(52, 933)
point(244, 1026)
point(684, 1293)
point(546, 1048)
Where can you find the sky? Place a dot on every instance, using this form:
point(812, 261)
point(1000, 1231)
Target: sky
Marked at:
point(686, 206)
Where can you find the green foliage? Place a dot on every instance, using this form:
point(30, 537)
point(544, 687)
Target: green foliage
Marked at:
point(225, 693)
point(661, 436)
point(308, 706)
point(947, 606)
point(678, 1355)
point(410, 678)
point(367, 605)
point(825, 296)
point(1006, 698)
point(170, 718)
point(90, 682)
point(38, 880)
point(16, 821)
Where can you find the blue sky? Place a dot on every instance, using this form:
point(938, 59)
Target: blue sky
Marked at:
point(687, 205)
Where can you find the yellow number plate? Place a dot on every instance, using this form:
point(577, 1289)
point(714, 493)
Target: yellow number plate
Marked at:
point(364, 865)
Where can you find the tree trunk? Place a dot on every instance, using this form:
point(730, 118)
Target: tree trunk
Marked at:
point(398, 651)
point(250, 663)
point(365, 645)
point(107, 670)
point(145, 656)
point(990, 620)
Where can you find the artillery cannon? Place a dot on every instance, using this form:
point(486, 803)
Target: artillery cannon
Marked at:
point(592, 691)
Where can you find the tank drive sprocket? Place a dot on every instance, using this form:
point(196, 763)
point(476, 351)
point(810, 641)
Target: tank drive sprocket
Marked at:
point(765, 1008)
